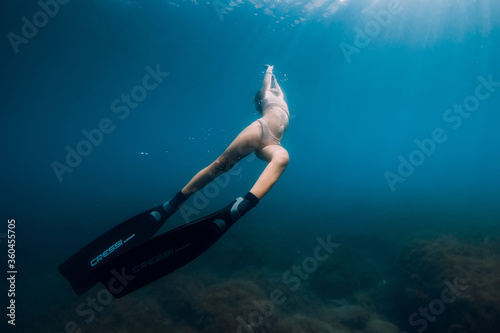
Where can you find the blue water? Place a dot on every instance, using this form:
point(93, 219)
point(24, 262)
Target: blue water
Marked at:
point(364, 80)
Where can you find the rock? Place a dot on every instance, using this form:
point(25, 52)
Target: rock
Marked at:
point(466, 261)
point(381, 326)
point(352, 316)
point(344, 274)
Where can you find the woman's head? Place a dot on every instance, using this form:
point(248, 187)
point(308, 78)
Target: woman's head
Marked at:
point(258, 101)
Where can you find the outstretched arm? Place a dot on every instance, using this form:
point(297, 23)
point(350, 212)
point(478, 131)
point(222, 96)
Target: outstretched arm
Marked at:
point(276, 85)
point(266, 84)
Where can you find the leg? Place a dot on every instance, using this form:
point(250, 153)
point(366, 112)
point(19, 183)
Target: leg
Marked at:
point(245, 143)
point(277, 161)
point(277, 158)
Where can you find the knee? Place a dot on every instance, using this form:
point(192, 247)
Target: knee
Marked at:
point(221, 164)
point(281, 159)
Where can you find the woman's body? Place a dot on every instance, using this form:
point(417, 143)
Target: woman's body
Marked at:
point(263, 137)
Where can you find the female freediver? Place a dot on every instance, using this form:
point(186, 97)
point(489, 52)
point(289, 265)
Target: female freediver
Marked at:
point(263, 137)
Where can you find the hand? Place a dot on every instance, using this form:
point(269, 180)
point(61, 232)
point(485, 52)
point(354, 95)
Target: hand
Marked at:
point(269, 68)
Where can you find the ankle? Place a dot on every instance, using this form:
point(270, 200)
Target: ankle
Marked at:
point(174, 204)
point(252, 199)
point(243, 206)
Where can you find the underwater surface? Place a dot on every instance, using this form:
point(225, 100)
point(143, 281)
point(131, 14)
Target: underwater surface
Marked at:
point(385, 220)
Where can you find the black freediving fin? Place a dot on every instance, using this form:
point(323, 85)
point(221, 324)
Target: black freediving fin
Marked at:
point(163, 254)
point(140, 228)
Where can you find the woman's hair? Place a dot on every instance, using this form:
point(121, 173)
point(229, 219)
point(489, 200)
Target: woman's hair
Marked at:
point(258, 101)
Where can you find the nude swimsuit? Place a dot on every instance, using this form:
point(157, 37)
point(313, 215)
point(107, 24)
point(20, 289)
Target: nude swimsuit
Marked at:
point(268, 138)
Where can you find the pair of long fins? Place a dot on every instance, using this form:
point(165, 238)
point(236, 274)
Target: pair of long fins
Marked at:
point(126, 258)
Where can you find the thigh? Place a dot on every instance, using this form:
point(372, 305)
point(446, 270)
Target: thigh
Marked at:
point(245, 143)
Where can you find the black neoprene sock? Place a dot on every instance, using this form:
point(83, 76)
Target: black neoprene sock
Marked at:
point(249, 202)
point(173, 204)
point(178, 199)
